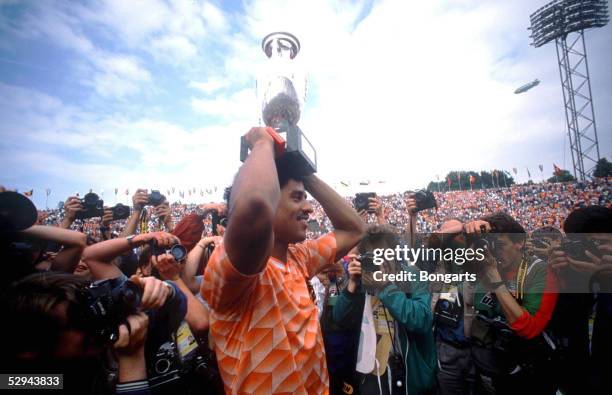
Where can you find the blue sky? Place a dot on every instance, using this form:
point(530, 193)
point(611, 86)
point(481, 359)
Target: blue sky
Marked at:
point(155, 94)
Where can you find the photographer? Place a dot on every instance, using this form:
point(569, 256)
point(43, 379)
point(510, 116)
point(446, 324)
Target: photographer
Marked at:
point(453, 313)
point(403, 350)
point(140, 200)
point(514, 303)
point(255, 281)
point(583, 361)
point(72, 342)
point(27, 248)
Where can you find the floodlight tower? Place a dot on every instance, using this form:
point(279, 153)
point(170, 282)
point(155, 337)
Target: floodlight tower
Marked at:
point(565, 21)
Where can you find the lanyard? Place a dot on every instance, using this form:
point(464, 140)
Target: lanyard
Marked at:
point(521, 274)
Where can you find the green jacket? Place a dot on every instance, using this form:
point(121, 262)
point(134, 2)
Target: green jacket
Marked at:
point(412, 310)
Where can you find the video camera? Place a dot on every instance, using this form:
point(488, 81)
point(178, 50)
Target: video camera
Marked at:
point(362, 201)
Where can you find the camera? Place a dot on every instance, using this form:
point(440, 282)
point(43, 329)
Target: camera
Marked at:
point(424, 200)
point(93, 206)
point(483, 240)
point(105, 305)
point(155, 198)
point(362, 201)
point(120, 211)
point(576, 249)
point(367, 262)
point(447, 313)
point(177, 251)
point(217, 220)
point(398, 374)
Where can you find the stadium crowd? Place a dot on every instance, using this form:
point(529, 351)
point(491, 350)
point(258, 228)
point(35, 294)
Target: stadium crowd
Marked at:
point(271, 292)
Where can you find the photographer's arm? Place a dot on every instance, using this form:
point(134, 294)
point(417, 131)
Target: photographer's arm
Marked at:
point(349, 228)
point(197, 314)
point(71, 207)
point(130, 351)
point(74, 244)
point(100, 255)
point(193, 260)
point(255, 194)
point(412, 214)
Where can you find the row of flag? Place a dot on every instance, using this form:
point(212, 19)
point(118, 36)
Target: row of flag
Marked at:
point(208, 191)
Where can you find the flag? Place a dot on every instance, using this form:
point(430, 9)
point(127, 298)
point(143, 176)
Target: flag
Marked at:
point(48, 191)
point(168, 191)
point(346, 184)
point(173, 190)
point(367, 182)
point(208, 191)
point(558, 171)
point(116, 191)
point(541, 167)
point(472, 180)
point(528, 173)
point(201, 192)
point(515, 170)
point(182, 194)
point(127, 191)
point(29, 193)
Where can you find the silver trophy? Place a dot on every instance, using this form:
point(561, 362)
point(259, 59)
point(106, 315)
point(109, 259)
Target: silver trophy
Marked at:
point(281, 106)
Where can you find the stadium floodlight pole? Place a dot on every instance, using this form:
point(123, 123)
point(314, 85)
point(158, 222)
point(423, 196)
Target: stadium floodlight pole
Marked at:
point(565, 21)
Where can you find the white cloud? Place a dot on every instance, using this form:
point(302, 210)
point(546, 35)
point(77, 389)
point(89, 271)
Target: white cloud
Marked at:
point(210, 86)
point(173, 48)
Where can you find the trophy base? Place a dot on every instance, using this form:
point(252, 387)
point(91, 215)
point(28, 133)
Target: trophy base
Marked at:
point(296, 164)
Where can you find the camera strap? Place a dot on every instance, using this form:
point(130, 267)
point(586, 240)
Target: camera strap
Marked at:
point(396, 348)
point(521, 275)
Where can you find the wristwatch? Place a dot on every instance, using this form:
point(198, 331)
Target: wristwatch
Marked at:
point(130, 242)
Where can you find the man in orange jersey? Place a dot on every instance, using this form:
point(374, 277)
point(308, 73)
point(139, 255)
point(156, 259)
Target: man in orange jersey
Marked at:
point(264, 324)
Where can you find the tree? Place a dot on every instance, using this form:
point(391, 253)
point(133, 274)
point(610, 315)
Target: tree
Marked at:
point(482, 179)
point(563, 176)
point(603, 168)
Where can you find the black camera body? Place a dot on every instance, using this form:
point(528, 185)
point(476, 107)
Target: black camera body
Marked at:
point(447, 313)
point(107, 304)
point(362, 201)
point(576, 249)
point(121, 211)
point(93, 206)
point(155, 198)
point(424, 200)
point(484, 240)
point(367, 262)
point(398, 374)
point(177, 251)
